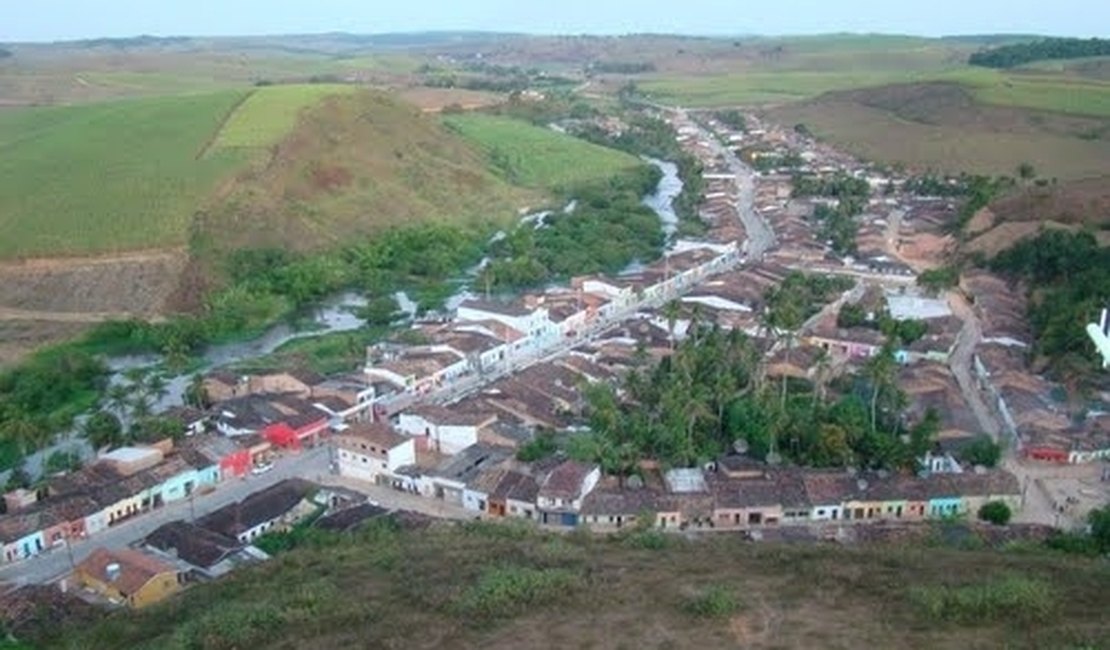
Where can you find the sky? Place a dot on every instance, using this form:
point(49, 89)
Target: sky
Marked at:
point(47, 20)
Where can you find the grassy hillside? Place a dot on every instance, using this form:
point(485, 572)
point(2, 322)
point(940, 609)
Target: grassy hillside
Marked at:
point(107, 177)
point(271, 112)
point(483, 586)
point(537, 157)
point(943, 126)
point(355, 164)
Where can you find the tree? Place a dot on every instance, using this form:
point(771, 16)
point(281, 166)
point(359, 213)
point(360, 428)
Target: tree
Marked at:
point(119, 399)
point(1026, 172)
point(18, 478)
point(879, 371)
point(671, 311)
point(155, 386)
point(141, 407)
point(1099, 521)
point(996, 512)
point(381, 311)
point(195, 394)
point(103, 429)
point(982, 451)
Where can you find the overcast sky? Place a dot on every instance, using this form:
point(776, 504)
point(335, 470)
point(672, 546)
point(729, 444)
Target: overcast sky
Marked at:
point(45, 20)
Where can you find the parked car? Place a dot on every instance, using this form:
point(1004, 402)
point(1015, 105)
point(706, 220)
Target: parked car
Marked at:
point(262, 469)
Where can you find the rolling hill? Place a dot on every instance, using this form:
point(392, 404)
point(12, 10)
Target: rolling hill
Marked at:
point(502, 586)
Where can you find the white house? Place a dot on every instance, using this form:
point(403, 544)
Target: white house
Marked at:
point(373, 452)
point(534, 322)
point(442, 430)
point(561, 493)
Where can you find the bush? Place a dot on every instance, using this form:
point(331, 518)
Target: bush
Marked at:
point(982, 451)
point(715, 601)
point(1012, 598)
point(996, 512)
point(502, 591)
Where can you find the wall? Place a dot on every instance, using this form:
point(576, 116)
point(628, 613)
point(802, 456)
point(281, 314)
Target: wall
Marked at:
point(155, 590)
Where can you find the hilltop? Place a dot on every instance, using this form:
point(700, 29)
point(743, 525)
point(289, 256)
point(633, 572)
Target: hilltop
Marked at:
point(506, 586)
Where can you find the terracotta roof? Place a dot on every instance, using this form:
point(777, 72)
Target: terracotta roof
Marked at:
point(196, 545)
point(135, 568)
point(565, 481)
point(377, 433)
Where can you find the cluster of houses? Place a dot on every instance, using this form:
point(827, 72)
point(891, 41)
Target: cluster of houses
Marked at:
point(180, 552)
point(734, 492)
point(1033, 411)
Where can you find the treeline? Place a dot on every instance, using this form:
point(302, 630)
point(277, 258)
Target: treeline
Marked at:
point(838, 186)
point(733, 119)
point(622, 67)
point(654, 138)
point(709, 396)
point(1069, 281)
point(608, 229)
point(1010, 56)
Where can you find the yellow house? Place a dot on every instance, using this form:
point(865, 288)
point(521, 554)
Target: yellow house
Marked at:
point(128, 577)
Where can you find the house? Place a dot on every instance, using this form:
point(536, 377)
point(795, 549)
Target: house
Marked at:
point(22, 535)
point(610, 507)
point(373, 452)
point(420, 370)
point(476, 494)
point(562, 490)
point(533, 322)
point(194, 421)
point(444, 430)
point(283, 382)
point(514, 496)
point(208, 553)
point(220, 386)
point(845, 343)
point(127, 576)
point(448, 479)
point(274, 508)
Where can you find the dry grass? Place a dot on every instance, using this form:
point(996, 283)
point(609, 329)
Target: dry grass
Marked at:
point(941, 127)
point(410, 590)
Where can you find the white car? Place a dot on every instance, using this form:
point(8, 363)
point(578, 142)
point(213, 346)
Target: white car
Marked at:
point(262, 469)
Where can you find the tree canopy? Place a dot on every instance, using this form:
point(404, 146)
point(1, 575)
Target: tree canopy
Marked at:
point(1010, 56)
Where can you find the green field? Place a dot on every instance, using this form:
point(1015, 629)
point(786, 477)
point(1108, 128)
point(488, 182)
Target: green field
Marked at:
point(536, 157)
point(107, 177)
point(807, 75)
point(270, 113)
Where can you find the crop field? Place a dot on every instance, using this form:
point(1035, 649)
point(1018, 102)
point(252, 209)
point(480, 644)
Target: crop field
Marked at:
point(944, 128)
point(271, 112)
point(536, 157)
point(109, 177)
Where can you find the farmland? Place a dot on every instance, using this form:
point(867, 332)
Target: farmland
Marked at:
point(942, 126)
point(537, 157)
point(271, 112)
point(503, 586)
point(109, 177)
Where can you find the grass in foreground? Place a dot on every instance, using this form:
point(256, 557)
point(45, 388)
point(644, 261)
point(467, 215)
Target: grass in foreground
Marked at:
point(108, 177)
point(270, 112)
point(536, 157)
point(503, 586)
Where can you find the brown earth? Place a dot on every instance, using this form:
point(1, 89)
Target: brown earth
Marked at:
point(940, 126)
point(434, 100)
point(19, 338)
point(1024, 212)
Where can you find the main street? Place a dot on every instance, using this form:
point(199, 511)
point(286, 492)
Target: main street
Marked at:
point(311, 464)
point(761, 237)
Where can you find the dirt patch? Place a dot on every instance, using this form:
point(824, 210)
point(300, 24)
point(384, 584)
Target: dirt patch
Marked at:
point(133, 284)
point(1006, 235)
point(1082, 202)
point(19, 338)
point(434, 100)
point(981, 222)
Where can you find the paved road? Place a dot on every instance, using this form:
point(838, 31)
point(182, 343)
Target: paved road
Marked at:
point(1036, 502)
point(761, 237)
point(311, 464)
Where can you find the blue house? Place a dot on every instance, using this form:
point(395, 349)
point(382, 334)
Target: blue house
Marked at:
point(945, 507)
point(22, 535)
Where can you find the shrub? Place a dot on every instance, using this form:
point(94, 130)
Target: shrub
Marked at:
point(715, 601)
point(502, 591)
point(996, 512)
point(1011, 598)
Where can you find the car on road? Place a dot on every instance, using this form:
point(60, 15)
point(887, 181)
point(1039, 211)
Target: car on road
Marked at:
point(261, 469)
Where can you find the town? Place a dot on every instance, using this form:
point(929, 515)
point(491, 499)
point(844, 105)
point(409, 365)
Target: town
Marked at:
point(470, 414)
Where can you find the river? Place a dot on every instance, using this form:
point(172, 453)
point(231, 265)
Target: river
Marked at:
point(334, 315)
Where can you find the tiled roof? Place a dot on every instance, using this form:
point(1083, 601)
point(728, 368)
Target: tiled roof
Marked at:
point(135, 568)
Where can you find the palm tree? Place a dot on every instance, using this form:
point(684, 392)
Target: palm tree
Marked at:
point(880, 372)
point(119, 398)
point(671, 311)
point(140, 407)
point(155, 386)
point(196, 395)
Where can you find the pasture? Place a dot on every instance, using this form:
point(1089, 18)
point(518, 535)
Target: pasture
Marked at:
point(270, 112)
point(536, 157)
point(110, 177)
